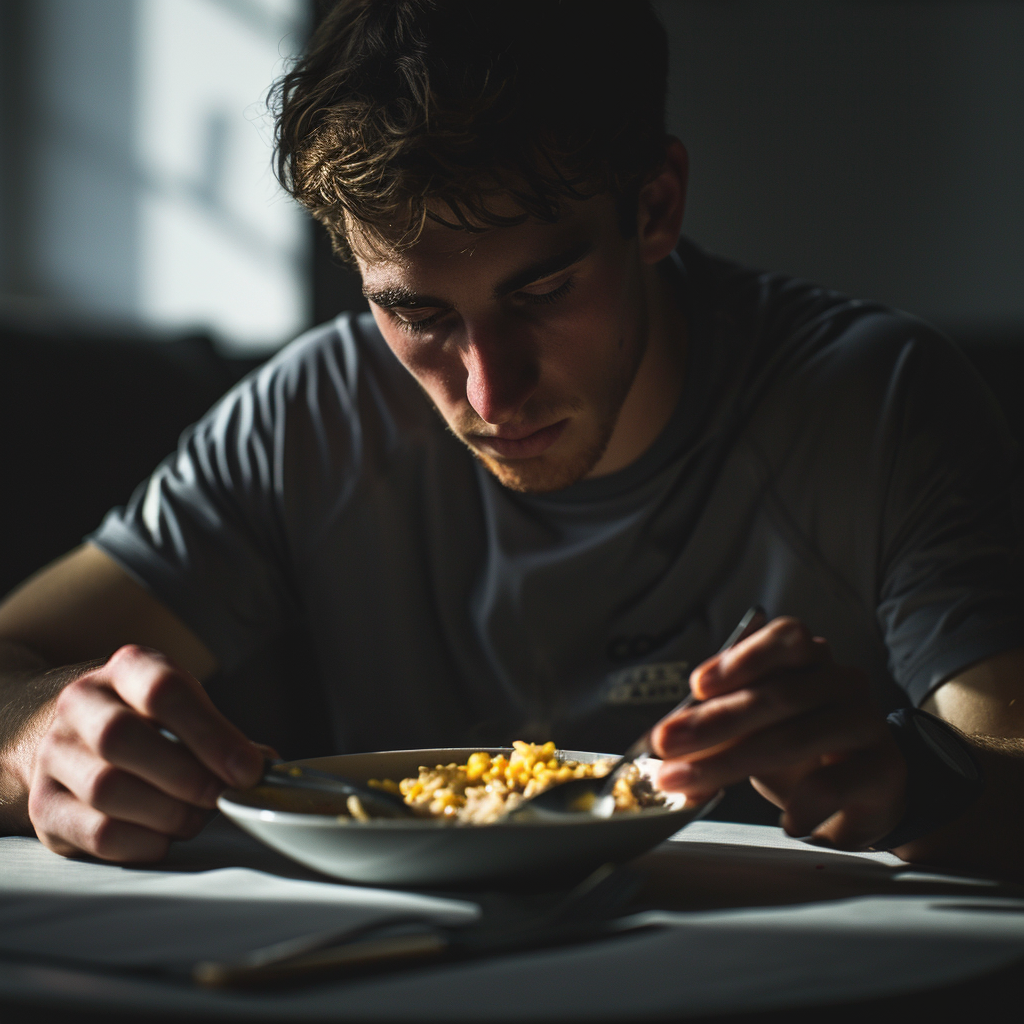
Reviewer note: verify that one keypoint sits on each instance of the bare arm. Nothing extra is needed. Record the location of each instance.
(91, 667)
(85, 606)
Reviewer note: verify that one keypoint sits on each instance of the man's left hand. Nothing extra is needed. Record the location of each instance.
(777, 709)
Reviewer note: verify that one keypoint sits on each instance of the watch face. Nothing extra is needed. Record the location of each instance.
(941, 739)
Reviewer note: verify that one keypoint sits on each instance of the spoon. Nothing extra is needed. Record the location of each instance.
(594, 795)
(376, 803)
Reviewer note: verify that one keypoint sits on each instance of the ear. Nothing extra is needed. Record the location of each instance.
(662, 201)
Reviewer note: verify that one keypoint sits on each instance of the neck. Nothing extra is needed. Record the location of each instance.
(655, 391)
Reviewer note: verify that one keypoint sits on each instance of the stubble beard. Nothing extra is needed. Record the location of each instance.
(549, 472)
(554, 472)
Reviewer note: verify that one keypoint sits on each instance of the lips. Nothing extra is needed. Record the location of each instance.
(528, 446)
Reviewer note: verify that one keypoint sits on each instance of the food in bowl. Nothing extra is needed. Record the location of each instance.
(488, 786)
(314, 829)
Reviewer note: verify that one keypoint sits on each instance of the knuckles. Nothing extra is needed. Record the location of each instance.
(791, 633)
(131, 654)
(790, 626)
(110, 839)
(771, 702)
(89, 717)
(76, 829)
(152, 683)
(100, 789)
(160, 693)
(101, 837)
(113, 733)
(74, 694)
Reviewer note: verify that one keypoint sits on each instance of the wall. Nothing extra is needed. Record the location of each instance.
(139, 185)
(875, 147)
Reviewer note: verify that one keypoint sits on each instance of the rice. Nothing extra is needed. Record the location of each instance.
(488, 786)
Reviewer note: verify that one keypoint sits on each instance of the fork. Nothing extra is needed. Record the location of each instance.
(594, 795)
(402, 940)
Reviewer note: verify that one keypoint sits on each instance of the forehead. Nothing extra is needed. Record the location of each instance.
(493, 251)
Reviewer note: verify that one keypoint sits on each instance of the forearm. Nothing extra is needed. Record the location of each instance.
(28, 687)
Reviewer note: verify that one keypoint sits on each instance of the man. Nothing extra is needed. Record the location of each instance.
(564, 456)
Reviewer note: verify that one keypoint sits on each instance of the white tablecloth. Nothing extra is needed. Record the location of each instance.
(756, 921)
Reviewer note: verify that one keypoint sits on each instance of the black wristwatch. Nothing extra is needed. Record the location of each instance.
(943, 777)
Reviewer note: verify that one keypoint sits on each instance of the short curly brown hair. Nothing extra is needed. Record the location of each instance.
(404, 111)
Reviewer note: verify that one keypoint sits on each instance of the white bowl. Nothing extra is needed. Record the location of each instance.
(418, 851)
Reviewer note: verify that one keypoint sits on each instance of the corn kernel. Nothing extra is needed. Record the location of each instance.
(488, 782)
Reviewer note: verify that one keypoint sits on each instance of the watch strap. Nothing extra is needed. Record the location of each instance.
(943, 776)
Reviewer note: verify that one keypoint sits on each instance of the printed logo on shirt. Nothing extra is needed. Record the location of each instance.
(650, 684)
(629, 648)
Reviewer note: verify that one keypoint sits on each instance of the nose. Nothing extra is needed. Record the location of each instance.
(501, 374)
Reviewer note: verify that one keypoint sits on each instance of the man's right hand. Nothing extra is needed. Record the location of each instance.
(103, 778)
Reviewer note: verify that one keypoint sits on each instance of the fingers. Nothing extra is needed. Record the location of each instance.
(153, 686)
(851, 803)
(117, 793)
(829, 730)
(785, 643)
(106, 781)
(68, 827)
(110, 732)
(776, 709)
(748, 710)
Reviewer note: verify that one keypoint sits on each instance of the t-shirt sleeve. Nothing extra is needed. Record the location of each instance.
(949, 575)
(220, 529)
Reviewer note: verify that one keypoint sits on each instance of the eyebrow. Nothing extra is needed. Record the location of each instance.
(543, 268)
(388, 298)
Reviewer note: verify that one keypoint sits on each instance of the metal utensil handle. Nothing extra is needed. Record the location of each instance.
(752, 621)
(292, 776)
(351, 956)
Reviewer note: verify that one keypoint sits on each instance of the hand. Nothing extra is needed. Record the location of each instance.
(106, 782)
(778, 710)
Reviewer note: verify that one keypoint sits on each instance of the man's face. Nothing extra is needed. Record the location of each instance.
(527, 339)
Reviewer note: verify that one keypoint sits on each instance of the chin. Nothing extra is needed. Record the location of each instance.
(545, 473)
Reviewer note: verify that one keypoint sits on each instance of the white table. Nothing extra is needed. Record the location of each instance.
(757, 922)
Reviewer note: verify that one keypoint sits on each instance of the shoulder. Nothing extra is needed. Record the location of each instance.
(346, 354)
(850, 410)
(810, 363)
(784, 326)
(338, 375)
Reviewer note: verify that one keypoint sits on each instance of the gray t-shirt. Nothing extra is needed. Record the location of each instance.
(829, 459)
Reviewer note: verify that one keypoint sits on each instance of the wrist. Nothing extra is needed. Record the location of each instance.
(944, 778)
(28, 700)
(17, 761)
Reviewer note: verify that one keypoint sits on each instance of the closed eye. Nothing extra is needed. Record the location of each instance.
(552, 295)
(415, 319)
